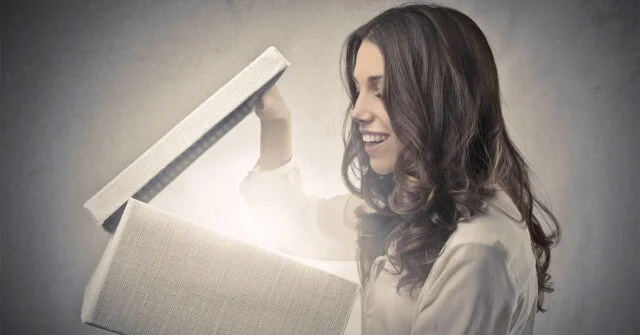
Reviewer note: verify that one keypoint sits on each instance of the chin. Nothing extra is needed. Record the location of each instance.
(381, 169)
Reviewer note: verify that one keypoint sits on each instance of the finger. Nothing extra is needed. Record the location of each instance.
(272, 91)
(259, 105)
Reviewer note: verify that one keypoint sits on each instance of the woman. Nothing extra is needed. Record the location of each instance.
(441, 217)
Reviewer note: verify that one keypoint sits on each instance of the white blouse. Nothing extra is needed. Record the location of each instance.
(484, 281)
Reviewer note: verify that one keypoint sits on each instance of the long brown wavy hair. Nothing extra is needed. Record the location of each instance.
(442, 95)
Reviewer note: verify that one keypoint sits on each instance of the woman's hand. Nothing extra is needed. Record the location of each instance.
(271, 107)
(275, 130)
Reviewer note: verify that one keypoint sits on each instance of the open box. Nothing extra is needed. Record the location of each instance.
(163, 274)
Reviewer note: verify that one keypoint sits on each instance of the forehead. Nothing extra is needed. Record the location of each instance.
(369, 61)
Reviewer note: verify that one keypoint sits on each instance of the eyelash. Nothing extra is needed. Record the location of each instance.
(377, 94)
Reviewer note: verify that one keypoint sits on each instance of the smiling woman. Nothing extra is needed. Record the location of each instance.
(380, 142)
(441, 213)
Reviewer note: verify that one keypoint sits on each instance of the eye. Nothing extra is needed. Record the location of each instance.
(378, 94)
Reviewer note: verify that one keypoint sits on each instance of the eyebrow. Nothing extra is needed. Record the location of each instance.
(371, 79)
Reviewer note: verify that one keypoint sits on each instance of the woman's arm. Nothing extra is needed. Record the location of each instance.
(306, 226)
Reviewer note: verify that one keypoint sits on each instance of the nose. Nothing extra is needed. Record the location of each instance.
(361, 111)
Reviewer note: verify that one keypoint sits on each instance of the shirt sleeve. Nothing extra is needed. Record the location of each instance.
(469, 291)
(307, 226)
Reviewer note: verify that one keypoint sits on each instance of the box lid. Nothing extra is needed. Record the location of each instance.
(186, 141)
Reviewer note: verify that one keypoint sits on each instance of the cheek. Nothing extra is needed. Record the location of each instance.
(396, 144)
(395, 148)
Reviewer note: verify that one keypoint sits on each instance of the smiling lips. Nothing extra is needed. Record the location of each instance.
(372, 140)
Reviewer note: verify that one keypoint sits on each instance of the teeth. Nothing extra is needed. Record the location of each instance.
(374, 138)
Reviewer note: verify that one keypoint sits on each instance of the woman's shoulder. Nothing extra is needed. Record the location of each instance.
(500, 228)
(500, 223)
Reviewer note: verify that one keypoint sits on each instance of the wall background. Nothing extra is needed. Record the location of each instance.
(87, 86)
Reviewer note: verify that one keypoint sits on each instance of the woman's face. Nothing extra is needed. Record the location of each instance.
(369, 111)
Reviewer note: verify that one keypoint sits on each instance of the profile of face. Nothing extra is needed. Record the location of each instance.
(369, 111)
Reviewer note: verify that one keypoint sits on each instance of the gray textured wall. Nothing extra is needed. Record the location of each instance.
(87, 86)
